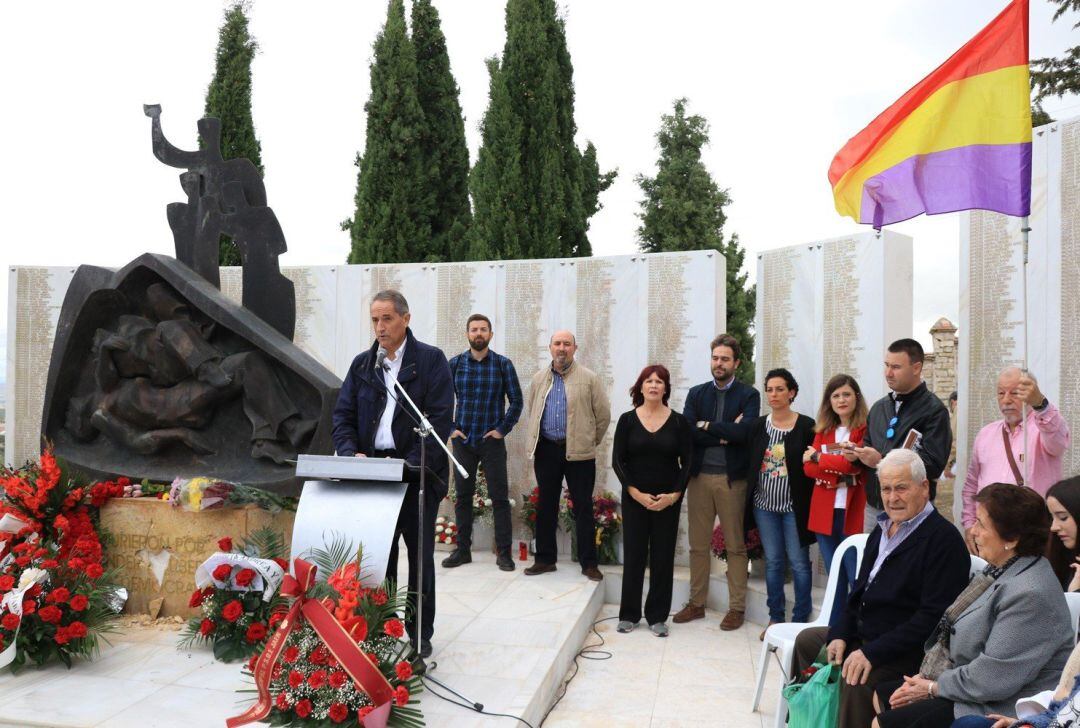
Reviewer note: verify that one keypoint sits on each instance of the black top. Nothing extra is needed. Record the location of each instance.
(740, 400)
(653, 462)
(893, 615)
(800, 485)
(920, 410)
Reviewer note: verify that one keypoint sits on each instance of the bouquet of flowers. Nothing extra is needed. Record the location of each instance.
(528, 510)
(238, 596)
(56, 599)
(445, 531)
(337, 657)
(608, 524)
(204, 494)
(754, 549)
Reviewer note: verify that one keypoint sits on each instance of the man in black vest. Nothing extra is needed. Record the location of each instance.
(722, 411)
(909, 406)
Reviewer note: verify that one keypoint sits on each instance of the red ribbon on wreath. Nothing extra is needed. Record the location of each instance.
(352, 659)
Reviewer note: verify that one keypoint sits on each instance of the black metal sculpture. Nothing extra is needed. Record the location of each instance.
(227, 197)
(156, 374)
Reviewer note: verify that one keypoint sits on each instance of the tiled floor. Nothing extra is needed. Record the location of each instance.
(501, 639)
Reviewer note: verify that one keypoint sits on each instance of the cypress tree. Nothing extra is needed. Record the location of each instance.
(446, 156)
(391, 222)
(229, 98)
(683, 209)
(528, 134)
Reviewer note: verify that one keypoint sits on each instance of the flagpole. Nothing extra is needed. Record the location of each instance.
(1025, 228)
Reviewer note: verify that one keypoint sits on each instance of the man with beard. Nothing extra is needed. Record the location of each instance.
(489, 402)
(722, 411)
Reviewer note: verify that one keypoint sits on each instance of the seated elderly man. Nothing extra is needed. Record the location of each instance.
(914, 566)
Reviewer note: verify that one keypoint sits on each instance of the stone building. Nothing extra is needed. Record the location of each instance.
(939, 369)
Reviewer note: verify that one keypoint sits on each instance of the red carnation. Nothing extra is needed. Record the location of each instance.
(337, 679)
(35, 590)
(379, 597)
(50, 614)
(303, 708)
(22, 561)
(232, 611)
(291, 653)
(251, 662)
(394, 628)
(221, 573)
(339, 712)
(10, 621)
(6, 583)
(196, 598)
(255, 632)
(61, 637)
(77, 630)
(224, 544)
(94, 571)
(283, 564)
(319, 655)
(282, 701)
(296, 679)
(206, 627)
(317, 679)
(60, 595)
(401, 695)
(275, 618)
(79, 602)
(29, 607)
(244, 577)
(404, 670)
(50, 564)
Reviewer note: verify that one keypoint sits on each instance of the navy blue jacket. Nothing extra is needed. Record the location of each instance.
(741, 399)
(891, 618)
(426, 377)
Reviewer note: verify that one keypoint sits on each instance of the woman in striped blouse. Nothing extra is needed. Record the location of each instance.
(780, 497)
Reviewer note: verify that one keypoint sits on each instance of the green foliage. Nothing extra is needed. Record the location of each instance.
(228, 98)
(1056, 76)
(533, 189)
(446, 156)
(1039, 116)
(683, 209)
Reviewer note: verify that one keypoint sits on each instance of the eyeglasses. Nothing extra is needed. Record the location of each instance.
(892, 423)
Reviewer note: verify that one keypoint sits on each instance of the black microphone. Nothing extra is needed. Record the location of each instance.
(380, 358)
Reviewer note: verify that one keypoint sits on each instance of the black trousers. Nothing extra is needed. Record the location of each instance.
(929, 713)
(491, 452)
(551, 467)
(407, 526)
(648, 537)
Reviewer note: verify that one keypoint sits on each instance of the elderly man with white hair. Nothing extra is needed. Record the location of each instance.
(1002, 447)
(914, 566)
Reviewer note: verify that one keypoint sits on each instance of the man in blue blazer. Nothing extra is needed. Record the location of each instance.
(721, 411)
(369, 423)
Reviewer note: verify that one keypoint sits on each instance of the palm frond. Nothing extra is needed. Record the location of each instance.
(265, 543)
(339, 551)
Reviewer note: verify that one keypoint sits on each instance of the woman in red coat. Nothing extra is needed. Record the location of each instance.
(839, 497)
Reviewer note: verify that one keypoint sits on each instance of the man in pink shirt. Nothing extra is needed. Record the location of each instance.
(1001, 447)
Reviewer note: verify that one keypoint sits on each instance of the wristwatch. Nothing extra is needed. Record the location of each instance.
(1044, 405)
(815, 456)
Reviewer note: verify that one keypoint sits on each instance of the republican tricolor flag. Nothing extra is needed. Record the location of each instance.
(959, 140)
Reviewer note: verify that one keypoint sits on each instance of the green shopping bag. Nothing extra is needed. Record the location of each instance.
(816, 702)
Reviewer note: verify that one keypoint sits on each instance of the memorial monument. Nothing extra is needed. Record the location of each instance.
(155, 373)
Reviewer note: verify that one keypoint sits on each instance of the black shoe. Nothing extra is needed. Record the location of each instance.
(536, 569)
(425, 649)
(504, 562)
(457, 558)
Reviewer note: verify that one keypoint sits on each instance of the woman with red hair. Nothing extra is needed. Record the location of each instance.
(651, 457)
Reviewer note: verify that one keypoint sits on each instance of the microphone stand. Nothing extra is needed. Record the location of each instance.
(424, 430)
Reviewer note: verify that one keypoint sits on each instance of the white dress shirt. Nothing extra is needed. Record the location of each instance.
(384, 436)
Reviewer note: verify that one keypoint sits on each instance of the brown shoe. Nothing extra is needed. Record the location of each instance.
(732, 620)
(761, 637)
(536, 569)
(592, 573)
(688, 614)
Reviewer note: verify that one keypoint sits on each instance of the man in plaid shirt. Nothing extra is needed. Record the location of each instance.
(489, 402)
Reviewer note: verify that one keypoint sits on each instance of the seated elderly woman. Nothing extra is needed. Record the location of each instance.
(1005, 637)
(914, 566)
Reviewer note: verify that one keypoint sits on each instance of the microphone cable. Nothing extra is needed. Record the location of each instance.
(587, 652)
(464, 702)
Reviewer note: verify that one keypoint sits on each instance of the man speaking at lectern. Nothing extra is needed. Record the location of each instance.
(369, 421)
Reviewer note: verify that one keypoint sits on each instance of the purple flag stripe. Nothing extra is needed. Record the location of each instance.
(993, 177)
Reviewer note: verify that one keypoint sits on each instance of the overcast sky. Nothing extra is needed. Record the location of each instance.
(783, 84)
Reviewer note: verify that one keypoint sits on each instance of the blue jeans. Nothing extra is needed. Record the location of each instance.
(972, 721)
(828, 546)
(780, 539)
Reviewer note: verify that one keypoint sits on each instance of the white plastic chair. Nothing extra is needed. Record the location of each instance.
(1073, 600)
(780, 638)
